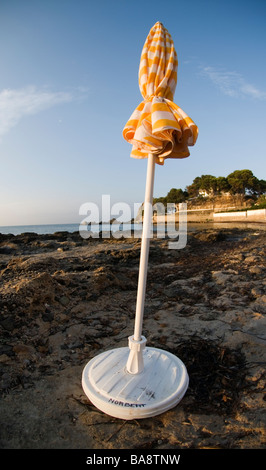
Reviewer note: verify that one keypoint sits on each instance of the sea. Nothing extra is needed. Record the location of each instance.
(125, 227)
(53, 228)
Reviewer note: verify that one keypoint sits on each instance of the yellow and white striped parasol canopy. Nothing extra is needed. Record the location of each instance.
(158, 126)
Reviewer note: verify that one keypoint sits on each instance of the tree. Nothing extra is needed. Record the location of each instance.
(175, 196)
(162, 200)
(222, 184)
(204, 182)
(238, 182)
(242, 182)
(193, 189)
(260, 187)
(208, 182)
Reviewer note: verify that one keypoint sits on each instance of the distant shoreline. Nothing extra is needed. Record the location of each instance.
(192, 225)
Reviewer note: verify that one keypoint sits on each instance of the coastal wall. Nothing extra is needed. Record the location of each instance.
(213, 209)
(197, 215)
(257, 215)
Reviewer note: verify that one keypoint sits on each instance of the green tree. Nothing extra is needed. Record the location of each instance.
(205, 182)
(239, 182)
(208, 182)
(222, 184)
(193, 189)
(242, 182)
(175, 196)
(159, 199)
(260, 187)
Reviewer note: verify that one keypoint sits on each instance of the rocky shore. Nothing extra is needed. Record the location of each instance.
(64, 299)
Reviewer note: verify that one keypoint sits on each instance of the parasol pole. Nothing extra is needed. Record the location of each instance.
(138, 381)
(145, 245)
(137, 342)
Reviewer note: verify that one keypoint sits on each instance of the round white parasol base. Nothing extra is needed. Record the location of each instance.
(112, 389)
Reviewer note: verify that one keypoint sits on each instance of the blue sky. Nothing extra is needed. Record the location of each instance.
(69, 83)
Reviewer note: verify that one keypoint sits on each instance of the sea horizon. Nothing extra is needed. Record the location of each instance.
(38, 228)
(46, 229)
(43, 229)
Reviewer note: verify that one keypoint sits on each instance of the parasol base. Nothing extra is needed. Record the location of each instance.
(112, 389)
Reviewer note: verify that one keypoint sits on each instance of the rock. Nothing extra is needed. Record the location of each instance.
(4, 358)
(221, 277)
(8, 323)
(47, 316)
(24, 351)
(251, 259)
(63, 300)
(7, 250)
(203, 304)
(255, 270)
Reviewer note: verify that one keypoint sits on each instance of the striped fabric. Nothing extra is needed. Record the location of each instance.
(157, 125)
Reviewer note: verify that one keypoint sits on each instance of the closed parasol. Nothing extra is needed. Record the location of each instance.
(138, 381)
(158, 126)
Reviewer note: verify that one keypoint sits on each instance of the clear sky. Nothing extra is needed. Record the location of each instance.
(69, 83)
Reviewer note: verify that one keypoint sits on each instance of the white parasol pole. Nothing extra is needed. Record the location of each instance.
(133, 382)
(137, 342)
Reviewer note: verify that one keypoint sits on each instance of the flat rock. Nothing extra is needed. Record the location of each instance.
(60, 308)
